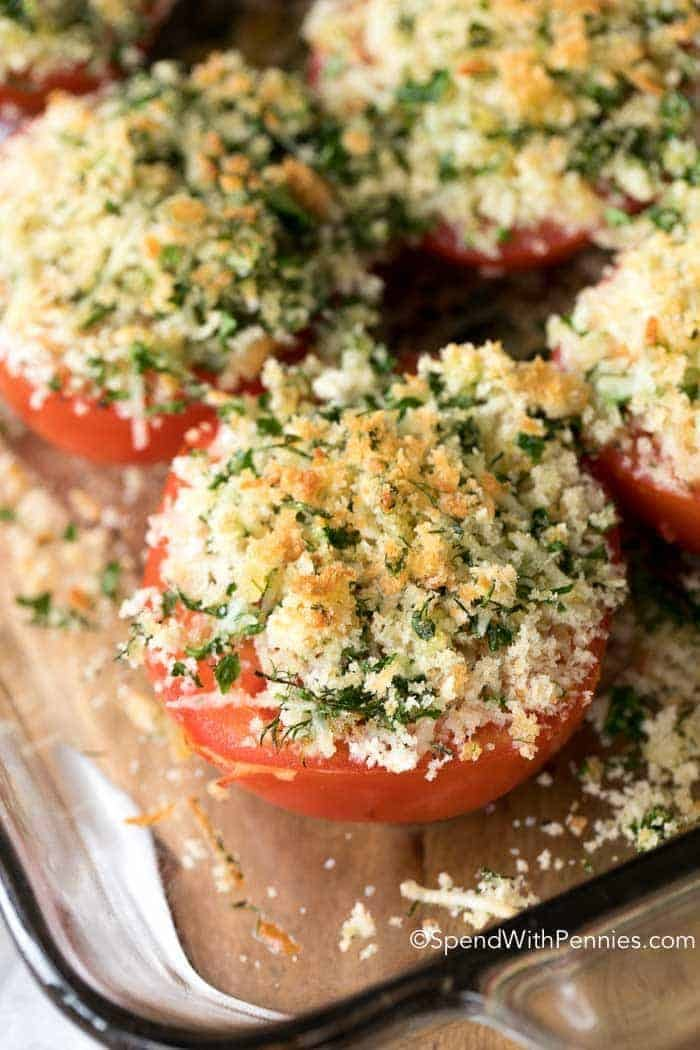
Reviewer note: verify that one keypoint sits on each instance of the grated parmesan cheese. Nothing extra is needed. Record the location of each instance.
(495, 897)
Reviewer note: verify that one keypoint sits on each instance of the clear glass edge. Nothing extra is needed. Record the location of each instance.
(462, 985)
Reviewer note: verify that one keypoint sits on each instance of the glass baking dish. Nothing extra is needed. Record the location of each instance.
(114, 920)
(85, 905)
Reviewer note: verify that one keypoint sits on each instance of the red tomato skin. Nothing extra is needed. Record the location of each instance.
(98, 434)
(339, 788)
(27, 97)
(675, 515)
(526, 249)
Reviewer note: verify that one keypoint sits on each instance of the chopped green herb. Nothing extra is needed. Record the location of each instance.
(422, 624)
(414, 93)
(269, 425)
(533, 445)
(110, 578)
(227, 671)
(626, 714)
(341, 537)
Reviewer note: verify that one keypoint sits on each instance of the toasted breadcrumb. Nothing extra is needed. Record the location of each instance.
(393, 566)
(358, 926)
(159, 238)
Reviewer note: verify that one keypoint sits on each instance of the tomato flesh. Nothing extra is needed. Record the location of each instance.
(85, 427)
(29, 98)
(525, 249)
(675, 515)
(339, 788)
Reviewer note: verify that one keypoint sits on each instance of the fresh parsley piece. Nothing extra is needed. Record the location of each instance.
(539, 521)
(288, 210)
(97, 313)
(269, 425)
(626, 714)
(479, 35)
(240, 461)
(41, 607)
(414, 92)
(110, 578)
(498, 635)
(170, 257)
(341, 537)
(664, 218)
(532, 445)
(227, 671)
(422, 624)
(403, 404)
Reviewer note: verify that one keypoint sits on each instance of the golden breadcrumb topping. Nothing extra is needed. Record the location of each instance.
(498, 115)
(42, 38)
(636, 339)
(409, 568)
(169, 228)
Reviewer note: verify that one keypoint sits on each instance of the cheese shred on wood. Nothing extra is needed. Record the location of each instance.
(170, 228)
(42, 38)
(636, 337)
(498, 115)
(408, 568)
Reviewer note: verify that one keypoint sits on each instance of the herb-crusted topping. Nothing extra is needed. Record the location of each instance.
(505, 114)
(408, 568)
(40, 38)
(169, 227)
(636, 337)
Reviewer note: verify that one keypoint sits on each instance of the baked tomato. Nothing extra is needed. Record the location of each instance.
(524, 249)
(673, 513)
(95, 431)
(338, 788)
(25, 95)
(545, 244)
(86, 427)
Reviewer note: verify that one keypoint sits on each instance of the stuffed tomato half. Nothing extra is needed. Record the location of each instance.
(157, 245)
(512, 134)
(634, 337)
(392, 610)
(74, 48)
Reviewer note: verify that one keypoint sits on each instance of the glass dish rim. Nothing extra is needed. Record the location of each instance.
(448, 984)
